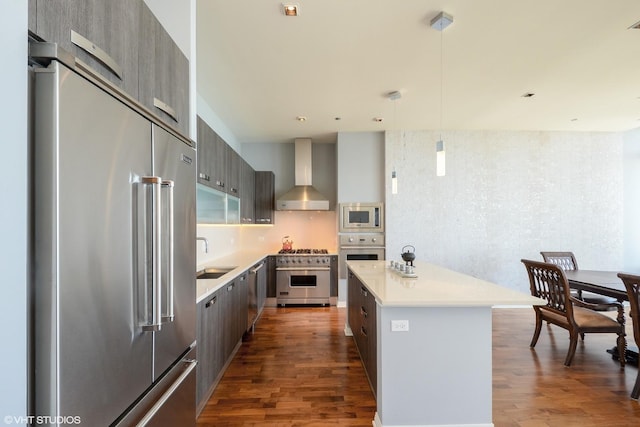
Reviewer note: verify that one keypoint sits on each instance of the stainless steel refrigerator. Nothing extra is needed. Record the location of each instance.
(114, 258)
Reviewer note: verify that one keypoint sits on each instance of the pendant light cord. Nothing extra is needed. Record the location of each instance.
(441, 81)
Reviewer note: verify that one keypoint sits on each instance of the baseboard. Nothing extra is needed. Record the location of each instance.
(377, 423)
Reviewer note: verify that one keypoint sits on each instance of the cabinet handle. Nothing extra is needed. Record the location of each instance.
(363, 331)
(363, 312)
(99, 54)
(234, 190)
(364, 292)
(255, 270)
(204, 176)
(220, 184)
(230, 287)
(163, 106)
(211, 302)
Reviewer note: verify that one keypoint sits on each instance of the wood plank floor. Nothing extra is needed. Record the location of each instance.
(299, 369)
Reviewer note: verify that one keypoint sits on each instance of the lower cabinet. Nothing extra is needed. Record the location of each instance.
(361, 306)
(209, 348)
(222, 320)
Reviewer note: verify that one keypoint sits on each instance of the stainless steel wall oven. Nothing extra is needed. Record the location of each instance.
(360, 247)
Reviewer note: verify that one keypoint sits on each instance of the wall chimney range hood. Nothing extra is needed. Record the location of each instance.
(303, 196)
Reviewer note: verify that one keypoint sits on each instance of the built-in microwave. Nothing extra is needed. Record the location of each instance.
(361, 217)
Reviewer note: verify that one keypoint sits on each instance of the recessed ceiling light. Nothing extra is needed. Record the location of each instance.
(528, 95)
(574, 120)
(337, 118)
(378, 119)
(290, 9)
(301, 118)
(635, 26)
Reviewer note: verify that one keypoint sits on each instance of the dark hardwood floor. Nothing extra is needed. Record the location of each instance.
(298, 369)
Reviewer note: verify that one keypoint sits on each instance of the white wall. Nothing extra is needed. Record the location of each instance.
(632, 201)
(507, 196)
(360, 158)
(14, 215)
(213, 120)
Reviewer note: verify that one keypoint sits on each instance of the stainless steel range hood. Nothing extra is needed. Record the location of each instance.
(303, 196)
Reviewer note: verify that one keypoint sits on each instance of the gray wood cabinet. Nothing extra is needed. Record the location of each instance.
(333, 277)
(103, 34)
(219, 166)
(265, 197)
(271, 276)
(234, 314)
(233, 172)
(361, 308)
(209, 348)
(123, 42)
(219, 159)
(221, 323)
(33, 21)
(206, 142)
(247, 193)
(164, 73)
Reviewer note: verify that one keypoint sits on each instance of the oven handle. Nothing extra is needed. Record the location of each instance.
(361, 247)
(303, 268)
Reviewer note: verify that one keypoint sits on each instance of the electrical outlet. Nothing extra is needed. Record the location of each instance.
(399, 326)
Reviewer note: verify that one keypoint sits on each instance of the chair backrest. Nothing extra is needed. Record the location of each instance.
(547, 281)
(564, 260)
(632, 283)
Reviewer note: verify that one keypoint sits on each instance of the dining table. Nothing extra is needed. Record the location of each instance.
(605, 283)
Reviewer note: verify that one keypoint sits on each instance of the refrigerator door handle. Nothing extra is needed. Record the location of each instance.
(167, 200)
(152, 242)
(189, 365)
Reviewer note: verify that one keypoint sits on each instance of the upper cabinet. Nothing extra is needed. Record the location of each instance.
(103, 34)
(219, 158)
(206, 142)
(33, 19)
(233, 172)
(164, 73)
(123, 42)
(265, 197)
(247, 191)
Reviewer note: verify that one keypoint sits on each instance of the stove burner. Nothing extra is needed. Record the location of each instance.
(304, 251)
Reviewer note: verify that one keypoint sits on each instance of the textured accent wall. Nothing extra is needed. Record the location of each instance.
(506, 196)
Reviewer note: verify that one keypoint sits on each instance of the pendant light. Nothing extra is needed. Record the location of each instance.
(394, 96)
(440, 22)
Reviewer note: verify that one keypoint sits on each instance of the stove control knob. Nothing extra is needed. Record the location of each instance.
(350, 239)
(374, 240)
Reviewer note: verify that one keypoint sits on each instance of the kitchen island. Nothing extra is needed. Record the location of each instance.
(426, 342)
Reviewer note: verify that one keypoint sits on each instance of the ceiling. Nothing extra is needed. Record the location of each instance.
(259, 70)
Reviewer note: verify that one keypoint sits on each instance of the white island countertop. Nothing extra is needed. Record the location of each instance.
(435, 286)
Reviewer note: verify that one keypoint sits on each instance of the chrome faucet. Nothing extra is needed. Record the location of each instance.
(206, 243)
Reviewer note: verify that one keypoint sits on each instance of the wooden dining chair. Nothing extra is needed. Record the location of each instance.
(547, 281)
(632, 283)
(567, 261)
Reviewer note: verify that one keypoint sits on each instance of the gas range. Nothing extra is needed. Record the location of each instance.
(303, 276)
(302, 257)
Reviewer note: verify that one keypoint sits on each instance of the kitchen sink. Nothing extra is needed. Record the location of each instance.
(213, 272)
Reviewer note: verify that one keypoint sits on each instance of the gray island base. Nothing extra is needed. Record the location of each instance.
(425, 342)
